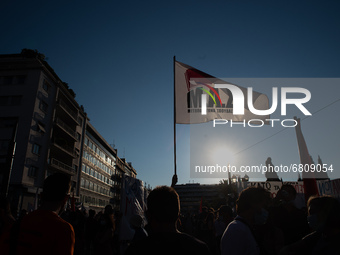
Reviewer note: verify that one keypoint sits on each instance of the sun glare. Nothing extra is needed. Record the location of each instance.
(222, 155)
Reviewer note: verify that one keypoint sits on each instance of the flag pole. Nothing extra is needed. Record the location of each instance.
(175, 160)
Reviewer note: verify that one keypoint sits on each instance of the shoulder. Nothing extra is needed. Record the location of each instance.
(237, 230)
(169, 243)
(49, 220)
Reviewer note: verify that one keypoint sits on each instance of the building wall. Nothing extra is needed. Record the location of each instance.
(52, 134)
(98, 166)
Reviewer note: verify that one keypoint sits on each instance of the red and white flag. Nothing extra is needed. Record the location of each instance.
(216, 103)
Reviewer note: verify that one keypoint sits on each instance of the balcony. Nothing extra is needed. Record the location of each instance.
(66, 128)
(61, 166)
(64, 148)
(68, 110)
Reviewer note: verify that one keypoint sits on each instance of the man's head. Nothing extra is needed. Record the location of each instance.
(251, 203)
(56, 189)
(287, 193)
(225, 212)
(163, 205)
(323, 213)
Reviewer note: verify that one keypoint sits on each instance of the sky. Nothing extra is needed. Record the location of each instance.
(118, 58)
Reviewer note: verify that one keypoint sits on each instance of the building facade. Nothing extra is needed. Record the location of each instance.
(98, 168)
(44, 130)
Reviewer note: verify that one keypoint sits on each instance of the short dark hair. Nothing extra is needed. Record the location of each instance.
(250, 197)
(163, 204)
(328, 208)
(289, 188)
(56, 187)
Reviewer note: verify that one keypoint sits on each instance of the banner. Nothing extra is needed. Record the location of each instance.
(200, 97)
(331, 188)
(132, 203)
(273, 187)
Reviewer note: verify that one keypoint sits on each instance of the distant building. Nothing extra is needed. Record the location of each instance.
(98, 168)
(40, 118)
(43, 130)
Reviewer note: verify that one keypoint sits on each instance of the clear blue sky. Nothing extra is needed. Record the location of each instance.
(117, 57)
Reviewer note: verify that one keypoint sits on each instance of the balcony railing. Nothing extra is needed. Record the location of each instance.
(61, 166)
(67, 128)
(68, 109)
(65, 148)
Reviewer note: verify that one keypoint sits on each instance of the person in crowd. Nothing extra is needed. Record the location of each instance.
(287, 217)
(202, 226)
(91, 228)
(77, 220)
(239, 237)
(162, 214)
(270, 237)
(324, 221)
(225, 216)
(106, 229)
(43, 231)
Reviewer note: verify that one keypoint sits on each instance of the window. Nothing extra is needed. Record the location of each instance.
(82, 183)
(4, 145)
(36, 149)
(32, 171)
(83, 167)
(16, 100)
(8, 80)
(4, 100)
(46, 86)
(10, 100)
(21, 79)
(86, 141)
(41, 128)
(43, 106)
(80, 121)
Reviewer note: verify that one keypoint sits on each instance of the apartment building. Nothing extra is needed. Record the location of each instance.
(98, 169)
(40, 127)
(44, 130)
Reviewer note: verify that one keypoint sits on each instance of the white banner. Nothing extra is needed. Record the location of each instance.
(132, 203)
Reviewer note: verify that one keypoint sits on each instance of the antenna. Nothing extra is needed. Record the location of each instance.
(113, 145)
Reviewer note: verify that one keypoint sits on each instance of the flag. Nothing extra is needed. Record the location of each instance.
(308, 178)
(218, 103)
(132, 203)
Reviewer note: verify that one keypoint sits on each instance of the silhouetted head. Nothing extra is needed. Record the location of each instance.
(225, 211)
(56, 188)
(251, 204)
(108, 210)
(287, 193)
(163, 205)
(323, 213)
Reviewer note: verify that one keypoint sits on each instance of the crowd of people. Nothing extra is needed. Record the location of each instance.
(259, 224)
